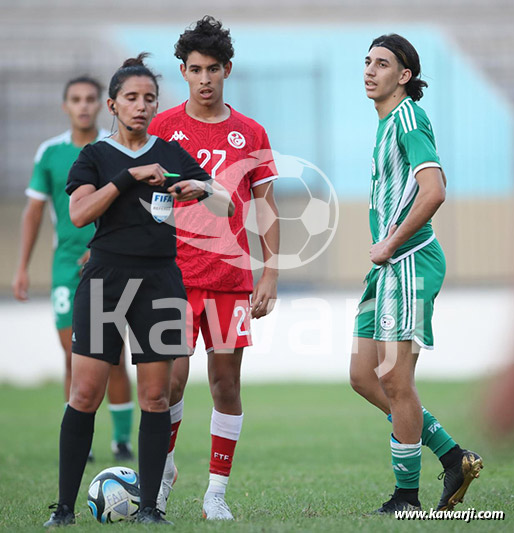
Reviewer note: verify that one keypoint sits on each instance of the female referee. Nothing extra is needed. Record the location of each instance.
(120, 183)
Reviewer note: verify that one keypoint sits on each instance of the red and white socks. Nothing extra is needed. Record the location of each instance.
(176, 413)
(169, 475)
(225, 431)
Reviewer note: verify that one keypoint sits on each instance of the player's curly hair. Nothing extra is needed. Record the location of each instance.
(408, 57)
(207, 37)
(134, 66)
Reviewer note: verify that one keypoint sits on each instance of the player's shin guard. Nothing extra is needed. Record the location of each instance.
(225, 431)
(75, 442)
(154, 436)
(406, 463)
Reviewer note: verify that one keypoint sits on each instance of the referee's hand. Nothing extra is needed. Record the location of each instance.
(151, 174)
(186, 190)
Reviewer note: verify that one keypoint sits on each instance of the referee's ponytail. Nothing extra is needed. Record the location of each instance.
(134, 66)
(407, 57)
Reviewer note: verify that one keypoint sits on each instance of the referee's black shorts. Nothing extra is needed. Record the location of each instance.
(155, 334)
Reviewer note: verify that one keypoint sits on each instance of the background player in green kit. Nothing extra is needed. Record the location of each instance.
(395, 313)
(82, 103)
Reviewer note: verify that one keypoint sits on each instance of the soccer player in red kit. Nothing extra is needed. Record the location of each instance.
(213, 255)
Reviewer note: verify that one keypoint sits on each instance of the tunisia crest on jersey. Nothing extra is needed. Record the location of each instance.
(236, 139)
(162, 204)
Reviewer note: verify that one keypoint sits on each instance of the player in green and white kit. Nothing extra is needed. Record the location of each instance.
(82, 103)
(394, 318)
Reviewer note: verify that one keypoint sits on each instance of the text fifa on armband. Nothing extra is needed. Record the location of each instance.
(99, 318)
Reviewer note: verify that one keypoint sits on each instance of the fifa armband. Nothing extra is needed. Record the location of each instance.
(209, 191)
(123, 181)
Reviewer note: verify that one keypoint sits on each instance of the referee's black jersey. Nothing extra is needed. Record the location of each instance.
(130, 225)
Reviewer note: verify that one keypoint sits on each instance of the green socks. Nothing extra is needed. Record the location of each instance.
(407, 457)
(406, 463)
(433, 435)
(121, 414)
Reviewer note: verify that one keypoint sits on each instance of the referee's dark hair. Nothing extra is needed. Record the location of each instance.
(407, 57)
(209, 38)
(83, 79)
(134, 66)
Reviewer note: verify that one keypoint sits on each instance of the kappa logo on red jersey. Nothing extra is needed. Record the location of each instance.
(236, 139)
(179, 136)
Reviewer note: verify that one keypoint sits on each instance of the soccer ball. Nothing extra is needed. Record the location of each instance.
(113, 495)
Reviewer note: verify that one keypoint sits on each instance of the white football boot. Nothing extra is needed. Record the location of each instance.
(215, 507)
(168, 480)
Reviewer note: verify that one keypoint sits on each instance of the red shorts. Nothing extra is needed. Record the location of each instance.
(223, 318)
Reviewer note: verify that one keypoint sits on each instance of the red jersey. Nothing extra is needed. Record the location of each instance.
(213, 252)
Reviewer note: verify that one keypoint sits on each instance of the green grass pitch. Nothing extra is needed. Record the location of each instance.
(312, 458)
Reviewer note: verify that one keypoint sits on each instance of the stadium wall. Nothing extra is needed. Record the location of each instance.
(478, 249)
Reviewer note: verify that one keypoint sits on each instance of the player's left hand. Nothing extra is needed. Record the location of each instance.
(264, 296)
(189, 190)
(380, 252)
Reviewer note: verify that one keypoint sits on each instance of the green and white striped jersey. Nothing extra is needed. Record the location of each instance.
(405, 145)
(52, 163)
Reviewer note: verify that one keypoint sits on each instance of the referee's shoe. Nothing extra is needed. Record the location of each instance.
(151, 515)
(62, 516)
(457, 478)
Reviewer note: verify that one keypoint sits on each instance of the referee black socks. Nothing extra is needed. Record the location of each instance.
(75, 441)
(154, 439)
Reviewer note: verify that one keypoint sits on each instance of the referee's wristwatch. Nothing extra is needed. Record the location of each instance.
(208, 191)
